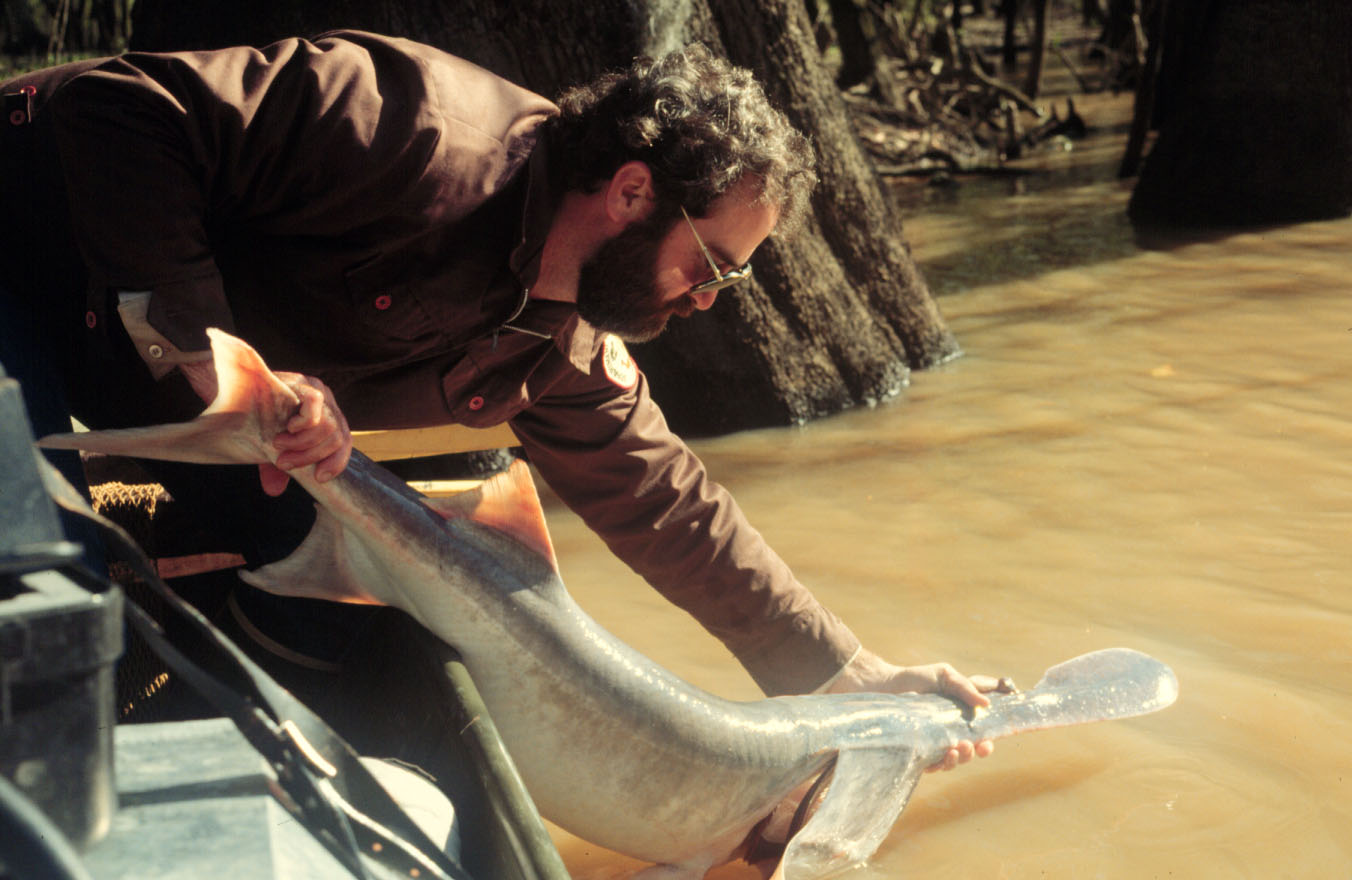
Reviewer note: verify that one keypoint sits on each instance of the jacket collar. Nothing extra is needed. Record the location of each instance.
(576, 339)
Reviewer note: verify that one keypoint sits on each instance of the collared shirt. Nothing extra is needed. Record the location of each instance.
(371, 211)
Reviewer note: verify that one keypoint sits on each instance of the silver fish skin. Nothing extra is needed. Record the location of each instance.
(612, 747)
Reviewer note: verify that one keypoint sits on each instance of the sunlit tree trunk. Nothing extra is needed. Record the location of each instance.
(837, 316)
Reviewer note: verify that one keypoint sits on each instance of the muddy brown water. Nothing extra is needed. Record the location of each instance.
(1139, 448)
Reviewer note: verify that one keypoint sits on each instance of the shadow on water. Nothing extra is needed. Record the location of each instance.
(1068, 210)
(1017, 228)
(1171, 238)
(964, 799)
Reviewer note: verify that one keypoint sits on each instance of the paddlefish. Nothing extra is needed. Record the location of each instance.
(611, 746)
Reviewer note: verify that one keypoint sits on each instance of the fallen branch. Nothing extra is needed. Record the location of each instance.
(1084, 86)
(947, 163)
(932, 170)
(1013, 94)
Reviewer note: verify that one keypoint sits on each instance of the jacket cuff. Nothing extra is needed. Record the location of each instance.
(159, 354)
(183, 310)
(809, 656)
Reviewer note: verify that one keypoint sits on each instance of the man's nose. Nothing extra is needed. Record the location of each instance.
(704, 299)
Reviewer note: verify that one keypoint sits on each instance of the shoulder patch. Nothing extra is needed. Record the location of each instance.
(619, 366)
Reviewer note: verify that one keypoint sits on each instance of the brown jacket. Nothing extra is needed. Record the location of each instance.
(371, 211)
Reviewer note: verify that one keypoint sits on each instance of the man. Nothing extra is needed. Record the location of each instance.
(421, 242)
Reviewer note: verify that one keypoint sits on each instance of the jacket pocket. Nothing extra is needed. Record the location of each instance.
(389, 308)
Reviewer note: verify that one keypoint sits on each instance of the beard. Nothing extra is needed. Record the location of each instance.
(615, 290)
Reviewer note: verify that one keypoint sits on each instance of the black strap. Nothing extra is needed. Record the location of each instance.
(323, 782)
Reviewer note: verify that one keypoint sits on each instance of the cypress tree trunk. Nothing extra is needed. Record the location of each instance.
(1037, 49)
(856, 56)
(835, 318)
(1254, 110)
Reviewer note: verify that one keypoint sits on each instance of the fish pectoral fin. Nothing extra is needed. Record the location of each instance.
(320, 568)
(867, 790)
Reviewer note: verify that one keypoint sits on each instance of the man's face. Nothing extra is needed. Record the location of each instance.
(639, 279)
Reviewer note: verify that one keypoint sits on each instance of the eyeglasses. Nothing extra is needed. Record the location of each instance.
(721, 279)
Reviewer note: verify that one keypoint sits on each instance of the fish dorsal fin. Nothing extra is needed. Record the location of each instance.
(507, 502)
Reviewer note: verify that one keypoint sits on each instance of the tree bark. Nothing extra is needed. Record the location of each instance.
(1009, 50)
(834, 318)
(1143, 107)
(1037, 49)
(1118, 31)
(856, 57)
(1254, 109)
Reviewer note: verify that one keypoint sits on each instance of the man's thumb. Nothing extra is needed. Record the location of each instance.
(273, 478)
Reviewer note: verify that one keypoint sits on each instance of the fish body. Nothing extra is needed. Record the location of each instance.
(612, 747)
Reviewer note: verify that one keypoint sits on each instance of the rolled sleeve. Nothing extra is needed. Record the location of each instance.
(610, 456)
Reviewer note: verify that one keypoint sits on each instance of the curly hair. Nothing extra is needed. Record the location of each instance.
(701, 125)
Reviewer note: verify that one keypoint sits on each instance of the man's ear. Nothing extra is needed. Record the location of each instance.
(629, 195)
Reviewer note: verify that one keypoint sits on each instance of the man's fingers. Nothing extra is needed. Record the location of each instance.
(317, 434)
(311, 412)
(952, 758)
(954, 684)
(329, 452)
(990, 684)
(961, 754)
(316, 403)
(318, 449)
(333, 465)
(312, 436)
(948, 763)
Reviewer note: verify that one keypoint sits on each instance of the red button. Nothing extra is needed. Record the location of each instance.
(91, 319)
(17, 117)
(383, 301)
(476, 402)
(29, 90)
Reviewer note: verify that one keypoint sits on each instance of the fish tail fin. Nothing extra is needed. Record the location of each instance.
(1100, 686)
(507, 502)
(870, 786)
(251, 407)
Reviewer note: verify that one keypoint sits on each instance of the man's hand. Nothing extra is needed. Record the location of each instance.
(317, 434)
(868, 672)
